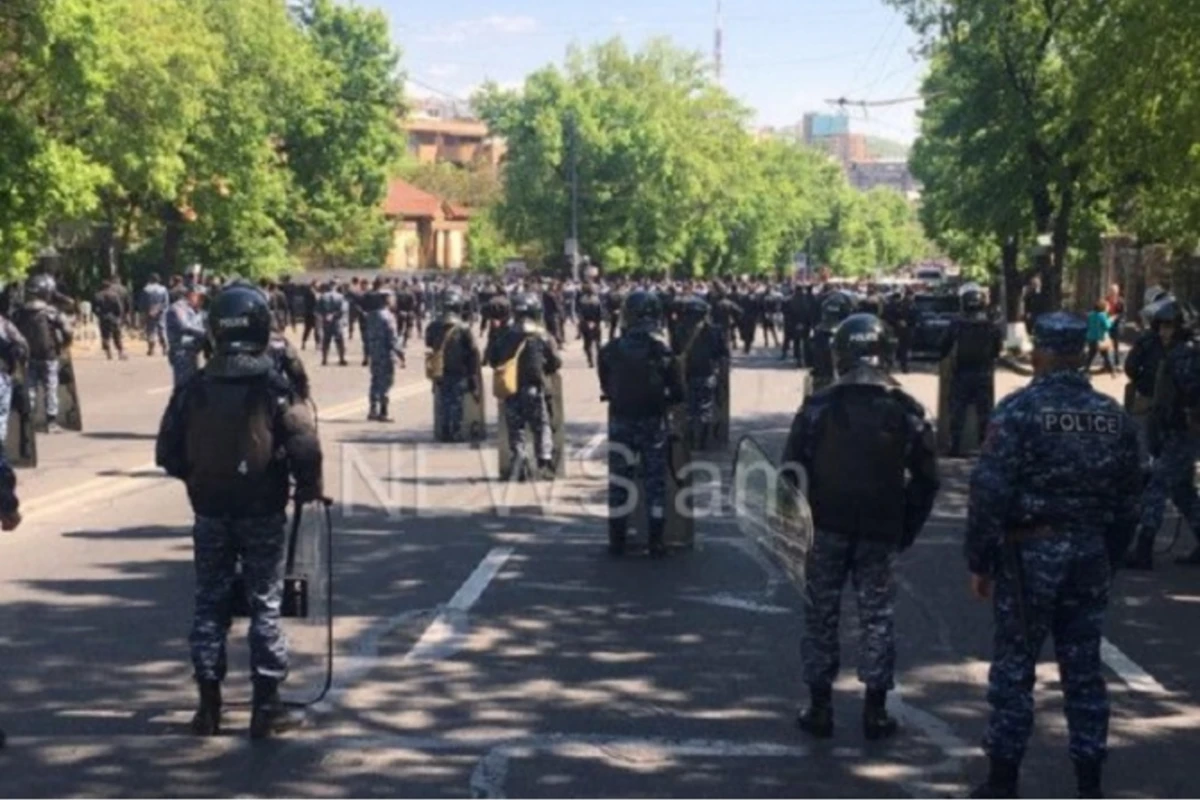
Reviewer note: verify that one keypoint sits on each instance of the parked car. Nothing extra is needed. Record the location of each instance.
(934, 313)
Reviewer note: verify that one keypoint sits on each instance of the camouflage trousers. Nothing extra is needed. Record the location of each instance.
(335, 333)
(527, 408)
(969, 389)
(155, 328)
(1173, 478)
(43, 373)
(219, 544)
(448, 394)
(383, 376)
(183, 366)
(701, 403)
(1066, 583)
(6, 391)
(872, 567)
(632, 440)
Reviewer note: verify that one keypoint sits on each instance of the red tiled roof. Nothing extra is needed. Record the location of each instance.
(406, 200)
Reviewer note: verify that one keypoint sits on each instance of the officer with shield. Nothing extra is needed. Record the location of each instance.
(640, 380)
(701, 349)
(47, 334)
(235, 433)
(868, 452)
(523, 357)
(972, 344)
(14, 356)
(452, 364)
(1053, 500)
(835, 307)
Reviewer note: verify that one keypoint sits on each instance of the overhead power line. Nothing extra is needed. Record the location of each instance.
(843, 102)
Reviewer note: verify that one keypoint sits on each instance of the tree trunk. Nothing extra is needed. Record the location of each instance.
(1014, 286)
(172, 239)
(1059, 243)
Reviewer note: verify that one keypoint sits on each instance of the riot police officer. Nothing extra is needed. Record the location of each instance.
(454, 354)
(526, 341)
(14, 355)
(10, 514)
(384, 348)
(1142, 362)
(235, 433)
(835, 308)
(975, 343)
(185, 335)
(47, 334)
(1172, 430)
(155, 301)
(640, 381)
(701, 348)
(1052, 501)
(109, 307)
(868, 454)
(591, 314)
(335, 312)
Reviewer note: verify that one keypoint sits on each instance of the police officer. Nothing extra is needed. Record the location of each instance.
(1173, 430)
(835, 308)
(898, 312)
(308, 309)
(869, 456)
(334, 312)
(528, 406)
(591, 316)
(496, 313)
(640, 380)
(383, 349)
(614, 301)
(1166, 329)
(458, 354)
(109, 307)
(701, 349)
(235, 433)
(976, 344)
(1052, 500)
(46, 332)
(185, 335)
(14, 354)
(772, 316)
(155, 301)
(405, 305)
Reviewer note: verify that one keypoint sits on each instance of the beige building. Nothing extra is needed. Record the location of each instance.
(428, 233)
(457, 141)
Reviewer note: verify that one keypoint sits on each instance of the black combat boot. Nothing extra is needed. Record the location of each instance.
(817, 719)
(656, 543)
(877, 723)
(268, 715)
(207, 719)
(1087, 779)
(618, 529)
(545, 470)
(383, 410)
(1142, 555)
(1001, 781)
(373, 413)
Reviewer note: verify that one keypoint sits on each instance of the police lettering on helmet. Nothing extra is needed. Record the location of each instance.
(862, 339)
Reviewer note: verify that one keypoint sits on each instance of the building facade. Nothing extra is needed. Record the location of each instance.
(427, 232)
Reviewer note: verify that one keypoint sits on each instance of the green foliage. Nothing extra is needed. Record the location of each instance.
(487, 249)
(475, 186)
(232, 132)
(668, 175)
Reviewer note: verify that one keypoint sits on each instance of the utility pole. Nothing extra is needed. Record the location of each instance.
(718, 44)
(573, 242)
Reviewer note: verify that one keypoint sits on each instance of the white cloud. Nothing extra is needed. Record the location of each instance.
(462, 30)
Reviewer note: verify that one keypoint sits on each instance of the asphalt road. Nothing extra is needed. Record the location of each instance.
(487, 645)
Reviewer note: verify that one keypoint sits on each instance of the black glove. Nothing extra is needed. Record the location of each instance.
(307, 494)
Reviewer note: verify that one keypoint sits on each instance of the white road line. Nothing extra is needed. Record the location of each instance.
(446, 634)
(1134, 676)
(588, 451)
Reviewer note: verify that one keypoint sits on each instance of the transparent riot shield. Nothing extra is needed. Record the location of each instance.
(722, 418)
(679, 528)
(69, 415)
(20, 445)
(973, 427)
(771, 510)
(308, 603)
(473, 425)
(554, 405)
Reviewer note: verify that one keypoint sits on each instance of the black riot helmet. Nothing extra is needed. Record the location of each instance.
(452, 301)
(642, 309)
(695, 309)
(40, 286)
(239, 320)
(836, 307)
(862, 339)
(527, 305)
(971, 298)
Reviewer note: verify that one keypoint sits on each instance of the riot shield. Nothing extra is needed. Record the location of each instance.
(771, 511)
(308, 603)
(473, 424)
(69, 416)
(679, 530)
(20, 445)
(554, 405)
(973, 427)
(720, 431)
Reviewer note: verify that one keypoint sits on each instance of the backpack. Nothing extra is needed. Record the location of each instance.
(230, 435)
(638, 384)
(506, 377)
(435, 360)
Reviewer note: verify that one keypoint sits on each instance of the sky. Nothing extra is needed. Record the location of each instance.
(781, 57)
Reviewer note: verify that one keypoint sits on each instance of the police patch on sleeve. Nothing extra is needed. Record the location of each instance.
(1096, 423)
